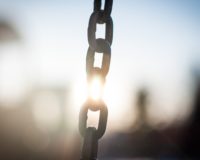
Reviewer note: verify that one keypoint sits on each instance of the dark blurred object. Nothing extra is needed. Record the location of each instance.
(191, 142)
(142, 98)
(141, 140)
(8, 32)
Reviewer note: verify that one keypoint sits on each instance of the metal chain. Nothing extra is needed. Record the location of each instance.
(91, 135)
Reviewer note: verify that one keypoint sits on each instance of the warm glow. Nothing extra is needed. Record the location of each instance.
(112, 94)
(95, 88)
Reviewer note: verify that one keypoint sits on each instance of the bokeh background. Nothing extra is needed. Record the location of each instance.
(152, 89)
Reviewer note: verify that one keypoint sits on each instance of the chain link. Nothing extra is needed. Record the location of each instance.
(93, 106)
(90, 145)
(94, 18)
(107, 8)
(103, 46)
(100, 45)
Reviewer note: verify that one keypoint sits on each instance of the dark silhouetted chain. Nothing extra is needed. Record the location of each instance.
(96, 45)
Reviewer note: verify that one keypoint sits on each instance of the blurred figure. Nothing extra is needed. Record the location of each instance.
(142, 98)
(7, 32)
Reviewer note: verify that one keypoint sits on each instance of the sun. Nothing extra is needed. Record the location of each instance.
(111, 93)
(83, 90)
(95, 89)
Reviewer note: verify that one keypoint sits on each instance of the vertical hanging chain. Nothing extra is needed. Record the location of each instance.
(91, 135)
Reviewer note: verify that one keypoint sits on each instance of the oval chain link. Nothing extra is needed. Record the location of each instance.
(93, 106)
(92, 29)
(103, 47)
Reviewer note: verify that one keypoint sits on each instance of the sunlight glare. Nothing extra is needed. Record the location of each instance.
(95, 88)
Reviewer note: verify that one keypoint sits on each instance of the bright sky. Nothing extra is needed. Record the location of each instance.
(155, 44)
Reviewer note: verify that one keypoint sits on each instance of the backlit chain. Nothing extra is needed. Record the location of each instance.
(91, 135)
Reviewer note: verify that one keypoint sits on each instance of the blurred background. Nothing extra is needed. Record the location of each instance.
(152, 89)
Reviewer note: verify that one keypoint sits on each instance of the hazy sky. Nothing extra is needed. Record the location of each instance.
(156, 42)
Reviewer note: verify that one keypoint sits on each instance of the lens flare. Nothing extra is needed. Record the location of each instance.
(95, 88)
